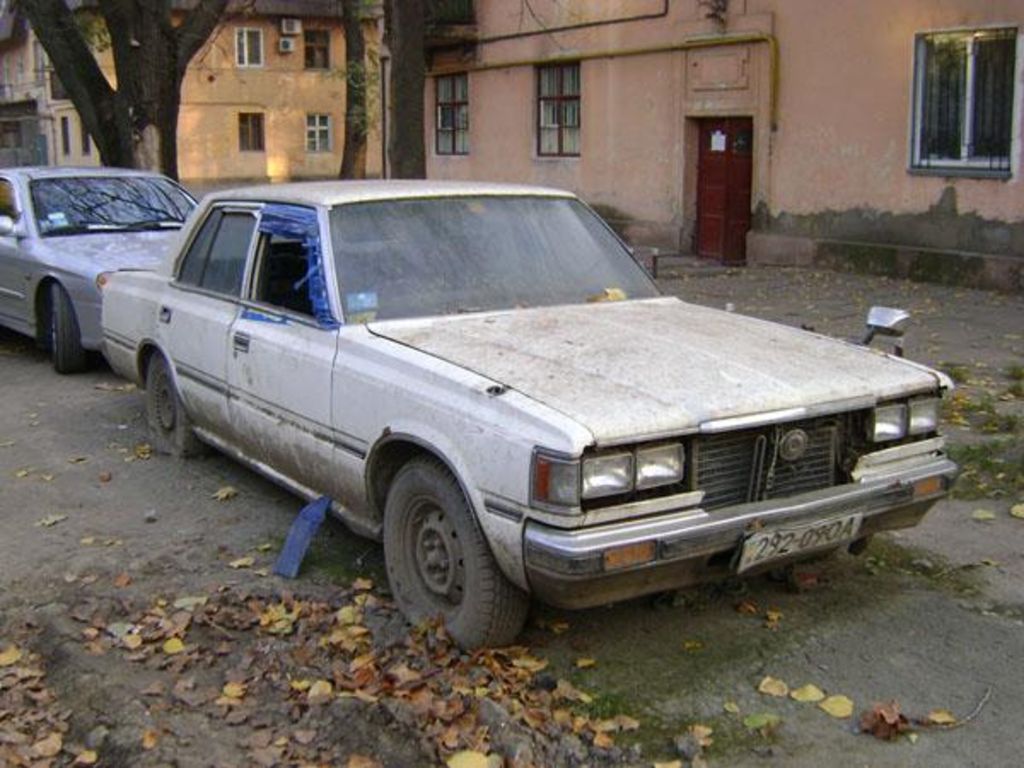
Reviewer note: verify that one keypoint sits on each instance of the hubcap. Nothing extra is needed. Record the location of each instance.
(437, 553)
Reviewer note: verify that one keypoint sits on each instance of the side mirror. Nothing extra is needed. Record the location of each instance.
(887, 321)
(7, 226)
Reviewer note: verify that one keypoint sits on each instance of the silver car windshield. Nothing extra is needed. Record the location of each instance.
(443, 256)
(74, 205)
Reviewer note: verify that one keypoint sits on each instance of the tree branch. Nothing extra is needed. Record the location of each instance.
(196, 29)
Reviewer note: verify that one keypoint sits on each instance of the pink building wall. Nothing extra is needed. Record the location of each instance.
(830, 170)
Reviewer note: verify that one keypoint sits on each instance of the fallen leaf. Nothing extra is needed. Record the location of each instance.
(761, 721)
(22, 473)
(692, 646)
(702, 734)
(233, 690)
(49, 747)
(941, 717)
(627, 723)
(150, 738)
(807, 693)
(585, 663)
(300, 685)
(983, 515)
(173, 646)
(362, 585)
(603, 741)
(87, 541)
(242, 562)
(361, 761)
(884, 721)
(1017, 510)
(143, 451)
(773, 687)
(78, 460)
(530, 664)
(669, 764)
(731, 707)
(912, 737)
(10, 656)
(467, 759)
(225, 493)
(265, 547)
(132, 642)
(51, 520)
(188, 603)
(122, 580)
(320, 692)
(837, 706)
(748, 607)
(86, 757)
(105, 477)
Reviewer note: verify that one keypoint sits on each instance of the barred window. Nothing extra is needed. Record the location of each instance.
(558, 110)
(963, 101)
(452, 130)
(318, 133)
(317, 44)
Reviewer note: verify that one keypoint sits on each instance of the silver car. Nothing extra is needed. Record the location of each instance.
(62, 231)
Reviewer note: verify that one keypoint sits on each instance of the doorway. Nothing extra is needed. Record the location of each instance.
(724, 165)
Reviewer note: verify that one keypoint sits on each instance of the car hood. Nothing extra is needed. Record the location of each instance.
(106, 252)
(639, 369)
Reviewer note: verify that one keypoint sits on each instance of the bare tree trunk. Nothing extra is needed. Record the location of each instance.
(135, 125)
(353, 159)
(405, 30)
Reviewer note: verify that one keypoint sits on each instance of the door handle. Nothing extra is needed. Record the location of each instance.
(240, 341)
(165, 314)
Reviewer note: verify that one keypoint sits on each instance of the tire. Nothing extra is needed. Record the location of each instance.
(439, 563)
(66, 349)
(170, 428)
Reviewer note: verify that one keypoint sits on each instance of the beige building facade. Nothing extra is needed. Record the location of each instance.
(263, 100)
(871, 136)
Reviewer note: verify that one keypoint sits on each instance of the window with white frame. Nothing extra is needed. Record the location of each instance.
(249, 47)
(963, 101)
(318, 133)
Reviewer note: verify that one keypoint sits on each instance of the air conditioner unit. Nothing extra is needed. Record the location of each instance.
(291, 27)
(286, 45)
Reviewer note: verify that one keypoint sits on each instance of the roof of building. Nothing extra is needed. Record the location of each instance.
(340, 192)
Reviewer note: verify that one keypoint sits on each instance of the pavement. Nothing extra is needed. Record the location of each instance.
(98, 531)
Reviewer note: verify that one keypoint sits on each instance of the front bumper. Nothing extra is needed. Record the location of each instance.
(593, 566)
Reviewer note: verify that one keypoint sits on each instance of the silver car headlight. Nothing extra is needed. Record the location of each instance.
(888, 422)
(607, 475)
(924, 415)
(555, 480)
(661, 465)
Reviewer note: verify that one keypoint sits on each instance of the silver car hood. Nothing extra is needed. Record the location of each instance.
(639, 369)
(96, 252)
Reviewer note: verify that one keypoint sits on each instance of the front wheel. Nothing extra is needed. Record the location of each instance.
(66, 349)
(170, 428)
(438, 561)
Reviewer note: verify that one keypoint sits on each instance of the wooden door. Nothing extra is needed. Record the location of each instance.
(723, 188)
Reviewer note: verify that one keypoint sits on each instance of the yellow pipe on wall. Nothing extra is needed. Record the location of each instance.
(701, 42)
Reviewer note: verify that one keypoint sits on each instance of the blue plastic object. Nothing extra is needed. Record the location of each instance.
(306, 524)
(300, 222)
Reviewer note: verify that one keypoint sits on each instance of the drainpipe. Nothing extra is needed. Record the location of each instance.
(700, 42)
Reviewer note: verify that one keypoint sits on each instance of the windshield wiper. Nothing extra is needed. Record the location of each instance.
(140, 226)
(78, 229)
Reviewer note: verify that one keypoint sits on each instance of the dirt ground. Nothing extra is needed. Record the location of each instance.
(112, 557)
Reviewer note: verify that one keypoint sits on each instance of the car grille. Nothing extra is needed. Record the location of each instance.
(748, 465)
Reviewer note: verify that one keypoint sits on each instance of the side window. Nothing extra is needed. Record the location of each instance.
(226, 265)
(282, 279)
(8, 207)
(191, 270)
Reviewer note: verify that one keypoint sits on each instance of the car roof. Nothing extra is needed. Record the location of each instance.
(340, 192)
(70, 171)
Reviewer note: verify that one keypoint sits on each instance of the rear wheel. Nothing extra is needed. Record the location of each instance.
(439, 563)
(170, 428)
(66, 349)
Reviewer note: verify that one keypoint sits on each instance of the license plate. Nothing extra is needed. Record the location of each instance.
(785, 541)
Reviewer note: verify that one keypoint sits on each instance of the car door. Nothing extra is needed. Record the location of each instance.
(13, 302)
(280, 364)
(199, 309)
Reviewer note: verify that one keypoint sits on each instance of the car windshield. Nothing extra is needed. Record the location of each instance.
(75, 205)
(443, 256)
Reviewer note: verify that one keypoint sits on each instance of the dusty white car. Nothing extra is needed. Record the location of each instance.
(482, 377)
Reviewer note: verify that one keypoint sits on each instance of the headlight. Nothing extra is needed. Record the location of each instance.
(556, 480)
(658, 466)
(607, 475)
(924, 416)
(888, 422)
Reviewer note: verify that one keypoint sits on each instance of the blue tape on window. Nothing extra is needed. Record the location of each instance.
(301, 223)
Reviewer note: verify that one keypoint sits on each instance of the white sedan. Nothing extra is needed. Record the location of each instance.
(483, 377)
